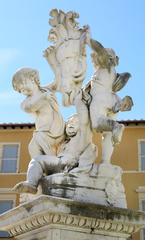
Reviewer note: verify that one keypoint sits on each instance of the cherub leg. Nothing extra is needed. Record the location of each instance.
(102, 124)
(107, 147)
(35, 171)
(34, 148)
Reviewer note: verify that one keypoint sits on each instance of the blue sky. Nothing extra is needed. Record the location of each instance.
(117, 24)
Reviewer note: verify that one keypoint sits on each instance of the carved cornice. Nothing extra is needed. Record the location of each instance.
(66, 221)
(71, 215)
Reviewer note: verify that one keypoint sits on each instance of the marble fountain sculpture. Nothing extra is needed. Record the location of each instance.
(77, 193)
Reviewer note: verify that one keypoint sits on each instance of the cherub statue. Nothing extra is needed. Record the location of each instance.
(77, 154)
(67, 56)
(67, 148)
(103, 91)
(104, 103)
(42, 104)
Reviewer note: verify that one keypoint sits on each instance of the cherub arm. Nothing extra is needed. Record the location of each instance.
(103, 57)
(50, 55)
(85, 132)
(97, 47)
(34, 103)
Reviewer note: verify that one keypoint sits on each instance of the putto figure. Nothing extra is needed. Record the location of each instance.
(73, 157)
(42, 104)
(105, 103)
(103, 98)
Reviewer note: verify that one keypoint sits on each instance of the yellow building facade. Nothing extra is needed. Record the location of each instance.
(129, 155)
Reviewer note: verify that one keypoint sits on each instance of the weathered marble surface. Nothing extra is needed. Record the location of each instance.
(59, 219)
(64, 151)
(77, 150)
(103, 186)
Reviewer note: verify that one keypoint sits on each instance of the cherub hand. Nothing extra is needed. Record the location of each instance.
(70, 161)
(48, 51)
(52, 86)
(73, 163)
(86, 36)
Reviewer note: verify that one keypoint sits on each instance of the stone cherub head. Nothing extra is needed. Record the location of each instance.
(26, 80)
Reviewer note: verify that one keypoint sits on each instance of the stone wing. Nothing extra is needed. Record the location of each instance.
(120, 81)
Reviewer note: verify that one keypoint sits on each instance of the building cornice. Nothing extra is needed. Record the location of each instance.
(16, 125)
(10, 125)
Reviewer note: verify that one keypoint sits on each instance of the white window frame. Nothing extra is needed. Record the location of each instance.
(18, 158)
(139, 154)
(142, 236)
(8, 197)
(141, 197)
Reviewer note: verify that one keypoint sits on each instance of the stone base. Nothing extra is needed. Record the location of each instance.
(102, 186)
(51, 218)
